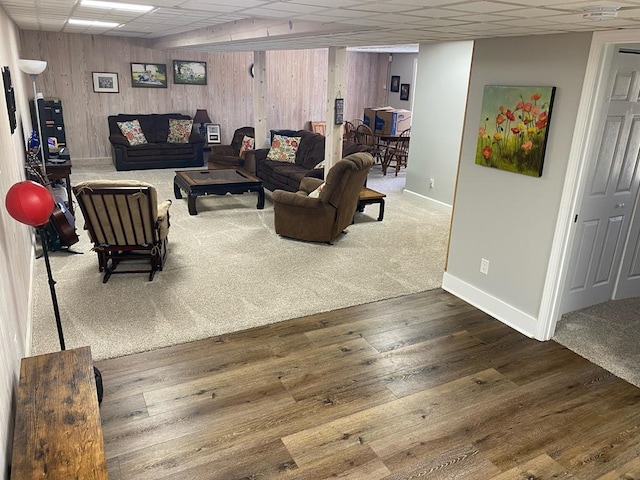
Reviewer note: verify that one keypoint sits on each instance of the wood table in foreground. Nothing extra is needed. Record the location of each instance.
(368, 197)
(58, 434)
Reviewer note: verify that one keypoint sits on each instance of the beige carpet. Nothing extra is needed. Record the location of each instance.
(227, 270)
(608, 334)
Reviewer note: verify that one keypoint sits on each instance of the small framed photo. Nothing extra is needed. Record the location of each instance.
(150, 75)
(189, 72)
(395, 83)
(105, 82)
(404, 91)
(213, 133)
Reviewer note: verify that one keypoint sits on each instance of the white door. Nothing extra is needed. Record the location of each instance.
(610, 192)
(629, 279)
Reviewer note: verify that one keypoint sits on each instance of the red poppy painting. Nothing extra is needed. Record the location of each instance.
(514, 128)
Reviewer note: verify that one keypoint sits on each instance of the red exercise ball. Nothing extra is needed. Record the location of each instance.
(29, 202)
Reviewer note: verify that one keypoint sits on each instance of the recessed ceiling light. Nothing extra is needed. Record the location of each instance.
(600, 12)
(93, 23)
(116, 6)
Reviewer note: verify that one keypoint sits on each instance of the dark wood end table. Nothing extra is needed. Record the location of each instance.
(368, 197)
(62, 171)
(196, 183)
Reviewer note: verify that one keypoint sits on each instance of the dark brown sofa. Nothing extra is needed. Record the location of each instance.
(287, 176)
(157, 153)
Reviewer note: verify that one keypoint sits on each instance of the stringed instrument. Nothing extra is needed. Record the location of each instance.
(61, 219)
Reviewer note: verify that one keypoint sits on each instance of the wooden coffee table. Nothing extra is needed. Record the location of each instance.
(215, 182)
(368, 197)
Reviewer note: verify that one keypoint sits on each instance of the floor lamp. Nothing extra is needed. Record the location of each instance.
(31, 203)
(33, 68)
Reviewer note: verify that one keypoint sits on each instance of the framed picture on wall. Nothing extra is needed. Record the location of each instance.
(213, 133)
(9, 97)
(514, 127)
(395, 83)
(105, 82)
(404, 91)
(189, 72)
(149, 75)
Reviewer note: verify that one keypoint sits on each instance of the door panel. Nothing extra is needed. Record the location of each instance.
(583, 253)
(612, 185)
(629, 170)
(611, 241)
(629, 280)
(605, 162)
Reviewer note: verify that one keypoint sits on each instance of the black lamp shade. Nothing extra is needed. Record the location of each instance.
(201, 116)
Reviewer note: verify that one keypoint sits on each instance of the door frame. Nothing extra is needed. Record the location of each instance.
(591, 108)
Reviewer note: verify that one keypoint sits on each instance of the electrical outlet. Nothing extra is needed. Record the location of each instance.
(432, 182)
(484, 266)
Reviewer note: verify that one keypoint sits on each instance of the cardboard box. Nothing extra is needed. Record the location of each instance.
(370, 117)
(392, 122)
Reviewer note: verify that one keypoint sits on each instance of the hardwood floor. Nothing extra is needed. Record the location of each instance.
(423, 386)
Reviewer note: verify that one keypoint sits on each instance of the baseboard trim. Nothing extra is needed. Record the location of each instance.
(28, 338)
(438, 205)
(498, 309)
(92, 161)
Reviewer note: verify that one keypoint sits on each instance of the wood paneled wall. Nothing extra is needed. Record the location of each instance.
(296, 93)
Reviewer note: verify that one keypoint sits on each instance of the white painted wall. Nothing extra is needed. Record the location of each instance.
(508, 218)
(402, 65)
(438, 118)
(16, 247)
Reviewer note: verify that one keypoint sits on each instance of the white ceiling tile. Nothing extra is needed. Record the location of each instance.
(483, 7)
(381, 8)
(330, 3)
(480, 18)
(372, 21)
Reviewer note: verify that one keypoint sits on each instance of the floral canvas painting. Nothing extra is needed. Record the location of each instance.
(514, 128)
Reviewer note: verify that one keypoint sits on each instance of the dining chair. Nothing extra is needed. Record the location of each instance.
(397, 153)
(349, 132)
(364, 136)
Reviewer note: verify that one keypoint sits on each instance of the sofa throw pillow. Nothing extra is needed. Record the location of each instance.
(132, 132)
(179, 130)
(247, 144)
(283, 148)
(316, 192)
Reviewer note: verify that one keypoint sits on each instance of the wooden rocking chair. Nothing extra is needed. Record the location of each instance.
(124, 222)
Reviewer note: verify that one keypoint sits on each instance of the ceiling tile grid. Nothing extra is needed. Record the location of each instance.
(374, 22)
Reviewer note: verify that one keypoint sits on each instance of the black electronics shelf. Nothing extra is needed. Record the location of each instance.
(52, 126)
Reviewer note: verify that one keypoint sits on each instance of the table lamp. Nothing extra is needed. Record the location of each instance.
(201, 117)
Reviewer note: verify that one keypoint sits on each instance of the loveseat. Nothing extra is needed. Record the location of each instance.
(155, 151)
(279, 175)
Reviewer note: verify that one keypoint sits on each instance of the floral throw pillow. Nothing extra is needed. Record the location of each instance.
(133, 132)
(179, 130)
(247, 144)
(283, 148)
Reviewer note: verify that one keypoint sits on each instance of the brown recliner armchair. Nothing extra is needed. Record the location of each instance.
(228, 156)
(322, 218)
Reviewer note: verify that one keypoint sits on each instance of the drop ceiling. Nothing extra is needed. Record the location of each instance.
(227, 25)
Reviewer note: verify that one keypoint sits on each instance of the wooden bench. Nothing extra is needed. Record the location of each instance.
(58, 434)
